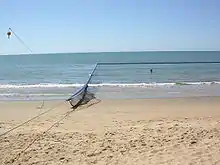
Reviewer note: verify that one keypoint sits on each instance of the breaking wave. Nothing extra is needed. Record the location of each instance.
(54, 85)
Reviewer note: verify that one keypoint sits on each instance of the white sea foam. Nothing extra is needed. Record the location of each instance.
(5, 86)
(18, 86)
(150, 84)
(33, 94)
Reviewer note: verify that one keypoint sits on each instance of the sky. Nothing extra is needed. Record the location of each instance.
(59, 26)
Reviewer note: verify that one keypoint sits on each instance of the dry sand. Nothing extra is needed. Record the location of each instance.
(145, 131)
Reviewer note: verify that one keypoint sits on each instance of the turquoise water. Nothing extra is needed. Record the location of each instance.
(57, 76)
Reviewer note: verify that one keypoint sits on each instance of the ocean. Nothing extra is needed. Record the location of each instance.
(57, 76)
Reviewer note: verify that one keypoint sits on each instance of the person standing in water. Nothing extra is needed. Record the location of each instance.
(151, 71)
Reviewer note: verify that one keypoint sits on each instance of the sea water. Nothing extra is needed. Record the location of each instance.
(57, 76)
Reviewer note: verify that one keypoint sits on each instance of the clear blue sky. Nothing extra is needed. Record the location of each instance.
(110, 25)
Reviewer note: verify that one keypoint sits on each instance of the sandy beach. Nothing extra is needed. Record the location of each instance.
(140, 131)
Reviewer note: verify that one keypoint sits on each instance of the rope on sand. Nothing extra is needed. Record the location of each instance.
(54, 124)
(40, 135)
(31, 119)
(82, 91)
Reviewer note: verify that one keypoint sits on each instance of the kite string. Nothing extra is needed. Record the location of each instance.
(20, 40)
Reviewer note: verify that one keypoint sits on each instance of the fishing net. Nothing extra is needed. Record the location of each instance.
(107, 78)
(82, 96)
(145, 80)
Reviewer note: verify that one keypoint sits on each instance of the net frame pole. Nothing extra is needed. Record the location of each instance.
(82, 90)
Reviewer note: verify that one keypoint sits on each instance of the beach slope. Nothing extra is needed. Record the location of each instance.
(139, 131)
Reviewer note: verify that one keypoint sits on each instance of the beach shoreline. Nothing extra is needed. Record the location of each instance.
(120, 131)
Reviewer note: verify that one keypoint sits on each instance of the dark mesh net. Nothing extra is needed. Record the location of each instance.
(140, 80)
(82, 96)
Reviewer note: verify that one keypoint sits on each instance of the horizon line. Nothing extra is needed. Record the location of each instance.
(133, 51)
